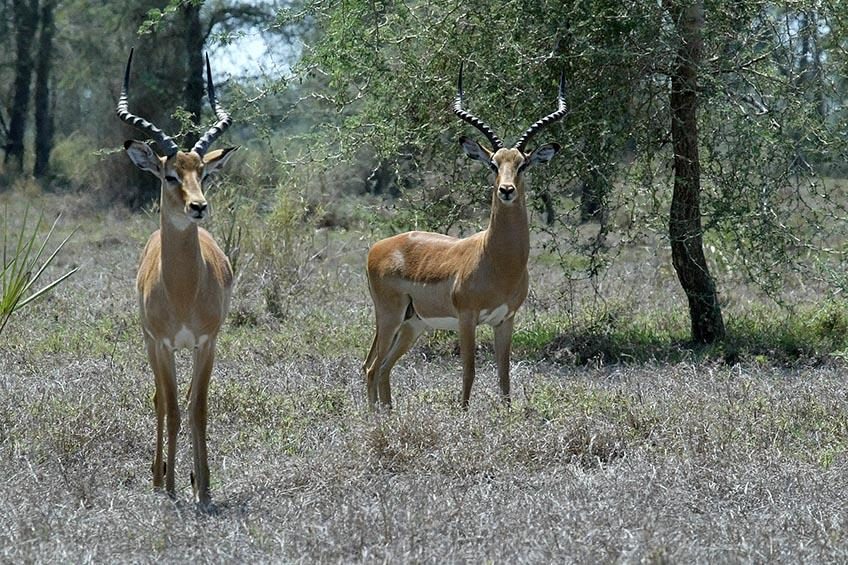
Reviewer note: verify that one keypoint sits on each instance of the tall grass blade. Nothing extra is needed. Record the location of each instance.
(17, 278)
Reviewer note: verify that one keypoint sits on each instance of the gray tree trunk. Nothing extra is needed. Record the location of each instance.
(196, 71)
(685, 230)
(43, 114)
(25, 20)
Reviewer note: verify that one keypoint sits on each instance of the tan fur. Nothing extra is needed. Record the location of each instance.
(184, 283)
(445, 277)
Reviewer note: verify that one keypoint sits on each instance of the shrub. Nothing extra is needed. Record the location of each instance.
(22, 266)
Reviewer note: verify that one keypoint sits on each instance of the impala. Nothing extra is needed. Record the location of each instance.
(184, 283)
(421, 280)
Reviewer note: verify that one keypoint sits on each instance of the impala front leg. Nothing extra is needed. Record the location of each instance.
(467, 346)
(204, 358)
(503, 345)
(159, 406)
(166, 377)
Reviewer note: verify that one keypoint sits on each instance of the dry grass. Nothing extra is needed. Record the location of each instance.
(684, 461)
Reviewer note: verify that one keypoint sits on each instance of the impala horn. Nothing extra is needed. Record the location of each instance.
(166, 144)
(473, 120)
(547, 120)
(224, 119)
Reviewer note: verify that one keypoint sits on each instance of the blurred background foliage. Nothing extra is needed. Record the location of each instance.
(344, 109)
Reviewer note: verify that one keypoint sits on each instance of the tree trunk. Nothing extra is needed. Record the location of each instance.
(43, 115)
(594, 189)
(25, 20)
(196, 71)
(592, 194)
(685, 230)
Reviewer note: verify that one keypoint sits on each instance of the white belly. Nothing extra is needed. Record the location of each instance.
(490, 317)
(442, 323)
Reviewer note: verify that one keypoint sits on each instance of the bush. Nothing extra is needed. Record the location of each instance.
(20, 261)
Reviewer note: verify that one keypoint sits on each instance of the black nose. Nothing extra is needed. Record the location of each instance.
(198, 207)
(506, 190)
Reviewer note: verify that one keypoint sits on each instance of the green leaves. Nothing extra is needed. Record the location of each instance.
(156, 16)
(22, 266)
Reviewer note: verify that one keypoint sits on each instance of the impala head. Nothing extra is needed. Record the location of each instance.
(508, 164)
(181, 172)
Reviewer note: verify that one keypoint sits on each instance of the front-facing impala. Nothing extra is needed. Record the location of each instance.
(421, 280)
(184, 282)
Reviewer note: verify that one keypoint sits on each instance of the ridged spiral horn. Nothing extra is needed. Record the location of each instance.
(473, 120)
(224, 119)
(547, 120)
(165, 143)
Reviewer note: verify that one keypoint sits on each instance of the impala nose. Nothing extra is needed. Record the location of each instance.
(198, 209)
(506, 191)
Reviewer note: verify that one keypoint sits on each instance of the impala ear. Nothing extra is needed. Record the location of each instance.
(216, 160)
(475, 150)
(544, 153)
(143, 156)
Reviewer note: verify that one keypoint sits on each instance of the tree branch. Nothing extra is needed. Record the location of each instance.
(231, 15)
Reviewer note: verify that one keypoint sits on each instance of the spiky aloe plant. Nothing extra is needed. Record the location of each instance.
(22, 266)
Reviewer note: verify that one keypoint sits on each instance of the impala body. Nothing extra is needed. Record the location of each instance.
(422, 280)
(184, 284)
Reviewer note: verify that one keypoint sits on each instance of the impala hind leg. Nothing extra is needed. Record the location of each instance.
(503, 346)
(204, 358)
(406, 336)
(390, 314)
(158, 466)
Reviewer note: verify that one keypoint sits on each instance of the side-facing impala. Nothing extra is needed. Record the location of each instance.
(421, 280)
(184, 283)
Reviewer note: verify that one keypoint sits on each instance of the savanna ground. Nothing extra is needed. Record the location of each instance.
(622, 443)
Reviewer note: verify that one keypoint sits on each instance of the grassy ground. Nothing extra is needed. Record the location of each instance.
(622, 444)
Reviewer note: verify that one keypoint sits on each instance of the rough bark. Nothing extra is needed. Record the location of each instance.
(43, 114)
(25, 20)
(594, 188)
(685, 229)
(195, 71)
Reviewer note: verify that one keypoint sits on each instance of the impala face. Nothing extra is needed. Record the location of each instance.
(509, 165)
(182, 177)
(181, 184)
(184, 185)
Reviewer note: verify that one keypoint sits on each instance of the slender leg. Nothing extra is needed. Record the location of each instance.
(370, 368)
(503, 345)
(389, 312)
(159, 407)
(168, 387)
(371, 353)
(407, 335)
(204, 358)
(467, 328)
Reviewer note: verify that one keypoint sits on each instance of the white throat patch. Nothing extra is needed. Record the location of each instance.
(179, 221)
(184, 339)
(496, 316)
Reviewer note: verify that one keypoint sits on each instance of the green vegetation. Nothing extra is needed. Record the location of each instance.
(23, 266)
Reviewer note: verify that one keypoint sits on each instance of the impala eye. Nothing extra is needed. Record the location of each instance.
(494, 166)
(172, 179)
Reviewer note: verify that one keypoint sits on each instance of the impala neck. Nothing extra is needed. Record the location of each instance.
(508, 235)
(182, 261)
